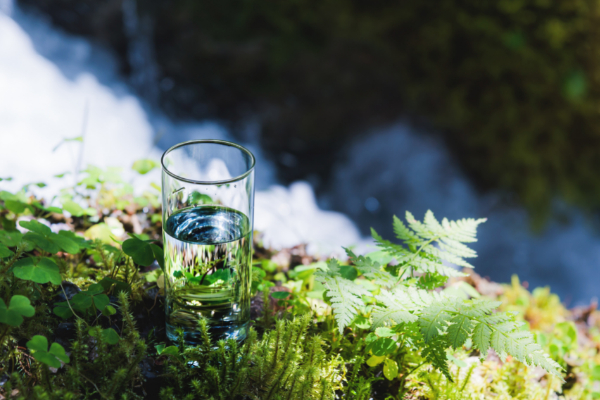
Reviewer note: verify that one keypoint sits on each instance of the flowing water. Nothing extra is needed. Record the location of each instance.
(208, 272)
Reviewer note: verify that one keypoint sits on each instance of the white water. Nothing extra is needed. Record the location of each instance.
(394, 170)
(55, 86)
(47, 78)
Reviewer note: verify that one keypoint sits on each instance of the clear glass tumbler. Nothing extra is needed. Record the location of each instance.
(208, 207)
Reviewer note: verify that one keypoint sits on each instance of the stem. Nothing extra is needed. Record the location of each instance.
(412, 272)
(68, 303)
(2, 336)
(7, 266)
(414, 369)
(89, 380)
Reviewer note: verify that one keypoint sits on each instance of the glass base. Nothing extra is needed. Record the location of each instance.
(192, 337)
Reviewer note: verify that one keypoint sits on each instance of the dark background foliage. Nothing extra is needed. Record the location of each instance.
(512, 85)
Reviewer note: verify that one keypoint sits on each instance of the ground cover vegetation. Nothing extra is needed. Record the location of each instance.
(82, 316)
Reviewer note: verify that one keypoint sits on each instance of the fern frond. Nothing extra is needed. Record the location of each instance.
(425, 265)
(463, 230)
(371, 270)
(345, 295)
(403, 232)
(434, 352)
(459, 330)
(481, 338)
(433, 320)
(393, 309)
(507, 338)
(394, 249)
(447, 255)
(420, 228)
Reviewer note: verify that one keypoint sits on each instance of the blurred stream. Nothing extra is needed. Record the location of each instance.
(48, 78)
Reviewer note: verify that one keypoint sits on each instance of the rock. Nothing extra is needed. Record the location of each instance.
(71, 290)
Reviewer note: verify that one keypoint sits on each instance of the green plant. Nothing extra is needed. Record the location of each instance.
(405, 310)
(393, 324)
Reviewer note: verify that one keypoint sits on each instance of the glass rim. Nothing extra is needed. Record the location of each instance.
(212, 141)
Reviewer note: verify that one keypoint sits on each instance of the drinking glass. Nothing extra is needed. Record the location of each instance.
(208, 207)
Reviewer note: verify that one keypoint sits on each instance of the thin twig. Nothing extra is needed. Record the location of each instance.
(68, 303)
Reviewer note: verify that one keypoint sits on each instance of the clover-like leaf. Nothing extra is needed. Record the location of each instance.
(47, 240)
(108, 311)
(139, 250)
(38, 270)
(171, 351)
(5, 251)
(36, 227)
(101, 301)
(15, 206)
(51, 357)
(79, 240)
(42, 242)
(65, 243)
(10, 238)
(118, 286)
(109, 335)
(159, 255)
(62, 310)
(18, 307)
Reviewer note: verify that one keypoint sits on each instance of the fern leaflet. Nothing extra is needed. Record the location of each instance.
(345, 295)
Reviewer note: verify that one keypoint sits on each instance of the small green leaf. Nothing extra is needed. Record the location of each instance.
(5, 251)
(62, 310)
(170, 351)
(348, 272)
(94, 289)
(159, 255)
(119, 286)
(109, 335)
(65, 243)
(38, 270)
(10, 238)
(101, 301)
(38, 343)
(19, 307)
(159, 348)
(362, 322)
(81, 301)
(36, 227)
(384, 332)
(144, 166)
(375, 360)
(73, 208)
(140, 251)
(15, 206)
(79, 240)
(390, 369)
(382, 347)
(39, 347)
(42, 242)
(280, 295)
(108, 311)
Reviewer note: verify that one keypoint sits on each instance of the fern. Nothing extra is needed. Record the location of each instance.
(345, 295)
(420, 254)
(372, 270)
(441, 321)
